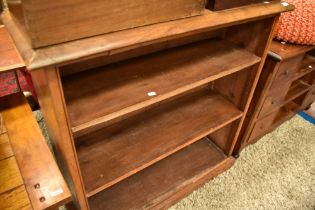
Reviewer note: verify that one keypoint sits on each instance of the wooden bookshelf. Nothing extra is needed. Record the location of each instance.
(129, 112)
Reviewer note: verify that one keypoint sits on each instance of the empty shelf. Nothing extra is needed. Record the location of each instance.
(175, 176)
(118, 151)
(126, 87)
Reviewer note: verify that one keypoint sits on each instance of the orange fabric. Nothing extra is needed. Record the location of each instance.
(298, 26)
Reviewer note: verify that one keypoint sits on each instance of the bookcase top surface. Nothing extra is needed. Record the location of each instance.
(283, 50)
(121, 41)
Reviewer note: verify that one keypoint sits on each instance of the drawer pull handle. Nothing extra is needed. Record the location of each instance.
(286, 73)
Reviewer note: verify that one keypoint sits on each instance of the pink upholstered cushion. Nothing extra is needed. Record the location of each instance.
(298, 26)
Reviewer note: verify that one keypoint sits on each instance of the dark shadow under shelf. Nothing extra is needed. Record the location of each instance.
(168, 179)
(121, 150)
(121, 89)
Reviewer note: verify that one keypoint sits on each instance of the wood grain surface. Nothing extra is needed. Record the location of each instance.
(52, 22)
(49, 90)
(16, 199)
(9, 175)
(124, 87)
(36, 163)
(10, 58)
(158, 184)
(5, 147)
(142, 141)
(2, 126)
(113, 43)
(284, 51)
(284, 88)
(117, 152)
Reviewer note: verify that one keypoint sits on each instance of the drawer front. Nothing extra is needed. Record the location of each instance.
(288, 70)
(274, 99)
(262, 127)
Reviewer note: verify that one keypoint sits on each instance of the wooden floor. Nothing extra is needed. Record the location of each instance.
(13, 194)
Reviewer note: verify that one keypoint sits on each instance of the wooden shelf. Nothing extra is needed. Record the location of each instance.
(297, 88)
(164, 180)
(123, 149)
(285, 51)
(120, 89)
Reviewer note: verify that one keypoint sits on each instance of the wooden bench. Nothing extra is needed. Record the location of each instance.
(29, 175)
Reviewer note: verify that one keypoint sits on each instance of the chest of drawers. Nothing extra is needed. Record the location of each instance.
(285, 88)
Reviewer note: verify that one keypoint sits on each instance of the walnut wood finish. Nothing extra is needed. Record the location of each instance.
(191, 165)
(281, 51)
(284, 94)
(124, 87)
(50, 95)
(34, 160)
(256, 39)
(165, 129)
(157, 133)
(285, 88)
